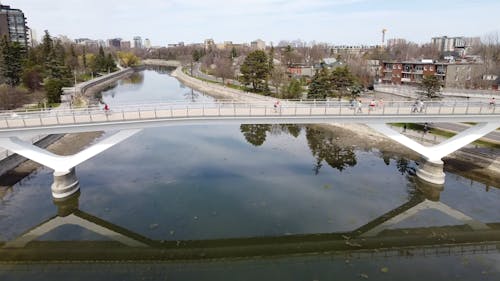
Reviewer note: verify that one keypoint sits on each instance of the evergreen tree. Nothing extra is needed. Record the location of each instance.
(271, 58)
(11, 55)
(320, 86)
(72, 61)
(255, 71)
(234, 54)
(110, 63)
(47, 45)
(53, 88)
(342, 81)
(84, 59)
(294, 89)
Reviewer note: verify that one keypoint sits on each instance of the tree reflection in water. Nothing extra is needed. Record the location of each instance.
(324, 146)
(255, 134)
(134, 78)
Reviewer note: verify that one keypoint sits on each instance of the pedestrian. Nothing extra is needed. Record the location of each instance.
(421, 106)
(372, 105)
(414, 107)
(404, 127)
(275, 105)
(106, 107)
(492, 102)
(360, 106)
(426, 127)
(381, 103)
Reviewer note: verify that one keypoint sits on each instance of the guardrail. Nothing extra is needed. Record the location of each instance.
(289, 108)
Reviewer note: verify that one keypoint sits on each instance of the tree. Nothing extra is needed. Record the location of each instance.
(320, 86)
(294, 90)
(431, 86)
(53, 88)
(32, 77)
(197, 55)
(255, 71)
(278, 78)
(47, 45)
(128, 59)
(233, 53)
(11, 61)
(84, 58)
(342, 81)
(271, 58)
(223, 68)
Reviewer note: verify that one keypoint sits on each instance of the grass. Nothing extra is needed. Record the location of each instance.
(446, 134)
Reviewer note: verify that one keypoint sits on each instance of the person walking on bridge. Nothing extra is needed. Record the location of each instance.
(492, 103)
(360, 107)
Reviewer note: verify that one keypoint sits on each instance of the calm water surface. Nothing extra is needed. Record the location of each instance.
(210, 183)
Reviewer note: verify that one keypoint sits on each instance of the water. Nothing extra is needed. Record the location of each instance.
(294, 196)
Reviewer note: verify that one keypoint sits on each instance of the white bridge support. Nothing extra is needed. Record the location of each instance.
(65, 180)
(431, 170)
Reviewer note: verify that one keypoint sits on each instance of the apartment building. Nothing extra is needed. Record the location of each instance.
(453, 75)
(13, 25)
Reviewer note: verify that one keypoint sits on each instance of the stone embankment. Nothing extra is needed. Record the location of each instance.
(94, 85)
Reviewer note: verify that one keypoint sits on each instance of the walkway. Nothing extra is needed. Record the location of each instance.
(255, 112)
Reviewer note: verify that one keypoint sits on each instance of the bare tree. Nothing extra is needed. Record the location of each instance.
(224, 68)
(278, 78)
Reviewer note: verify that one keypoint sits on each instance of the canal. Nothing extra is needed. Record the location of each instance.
(249, 202)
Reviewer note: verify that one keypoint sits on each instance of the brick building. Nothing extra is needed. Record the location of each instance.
(453, 75)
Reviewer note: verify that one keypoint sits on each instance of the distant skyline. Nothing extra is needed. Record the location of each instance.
(329, 21)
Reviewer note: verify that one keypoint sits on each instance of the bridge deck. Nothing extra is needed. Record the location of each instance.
(148, 115)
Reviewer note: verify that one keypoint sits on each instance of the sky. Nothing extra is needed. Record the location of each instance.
(336, 22)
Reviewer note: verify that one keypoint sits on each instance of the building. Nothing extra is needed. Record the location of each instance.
(209, 44)
(115, 43)
(463, 75)
(33, 37)
(147, 43)
(138, 42)
(460, 74)
(81, 41)
(13, 25)
(125, 45)
(258, 44)
(457, 45)
(395, 42)
(351, 49)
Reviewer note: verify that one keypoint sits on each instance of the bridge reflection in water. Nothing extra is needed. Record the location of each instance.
(378, 237)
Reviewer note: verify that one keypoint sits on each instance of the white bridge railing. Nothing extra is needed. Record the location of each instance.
(183, 109)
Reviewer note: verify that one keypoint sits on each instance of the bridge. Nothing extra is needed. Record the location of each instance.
(128, 119)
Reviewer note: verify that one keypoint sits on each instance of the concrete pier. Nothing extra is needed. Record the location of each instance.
(65, 184)
(431, 171)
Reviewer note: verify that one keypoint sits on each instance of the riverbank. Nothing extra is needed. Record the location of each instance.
(461, 160)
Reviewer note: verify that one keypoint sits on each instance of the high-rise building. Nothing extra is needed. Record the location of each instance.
(147, 43)
(13, 25)
(138, 42)
(114, 43)
(459, 45)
